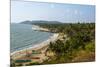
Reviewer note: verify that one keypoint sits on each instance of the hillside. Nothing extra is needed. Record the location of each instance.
(39, 22)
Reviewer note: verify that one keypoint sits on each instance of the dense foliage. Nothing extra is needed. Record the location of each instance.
(81, 41)
(76, 45)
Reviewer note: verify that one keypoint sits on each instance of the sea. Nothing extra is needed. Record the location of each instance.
(22, 36)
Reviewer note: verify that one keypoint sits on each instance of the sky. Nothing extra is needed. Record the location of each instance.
(24, 10)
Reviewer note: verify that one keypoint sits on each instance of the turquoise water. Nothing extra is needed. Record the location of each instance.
(22, 36)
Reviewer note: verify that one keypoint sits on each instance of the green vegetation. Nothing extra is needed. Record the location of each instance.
(76, 44)
(22, 61)
(80, 45)
(35, 52)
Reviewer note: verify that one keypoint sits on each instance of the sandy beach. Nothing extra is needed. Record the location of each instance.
(39, 47)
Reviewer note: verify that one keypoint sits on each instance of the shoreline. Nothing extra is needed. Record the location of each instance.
(39, 46)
